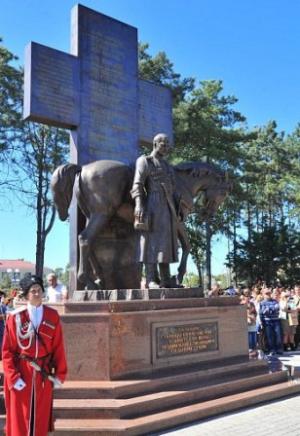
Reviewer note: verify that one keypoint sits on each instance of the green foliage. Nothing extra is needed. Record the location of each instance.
(63, 274)
(29, 151)
(222, 280)
(191, 280)
(10, 113)
(208, 128)
(5, 283)
(271, 254)
(261, 215)
(159, 69)
(43, 149)
(269, 208)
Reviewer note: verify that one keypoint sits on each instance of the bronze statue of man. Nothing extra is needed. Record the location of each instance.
(155, 213)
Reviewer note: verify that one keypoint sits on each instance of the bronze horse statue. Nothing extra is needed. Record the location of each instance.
(102, 190)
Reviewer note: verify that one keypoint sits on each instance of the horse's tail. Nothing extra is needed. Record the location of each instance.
(62, 182)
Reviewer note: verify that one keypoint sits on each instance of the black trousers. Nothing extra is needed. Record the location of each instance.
(297, 335)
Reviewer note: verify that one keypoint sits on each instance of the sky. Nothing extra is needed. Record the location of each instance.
(253, 46)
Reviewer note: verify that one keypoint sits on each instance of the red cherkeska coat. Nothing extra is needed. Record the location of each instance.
(38, 390)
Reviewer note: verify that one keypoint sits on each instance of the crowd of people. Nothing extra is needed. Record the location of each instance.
(33, 352)
(273, 316)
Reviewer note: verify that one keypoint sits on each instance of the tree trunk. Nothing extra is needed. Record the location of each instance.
(199, 272)
(249, 219)
(40, 250)
(249, 236)
(39, 228)
(234, 248)
(208, 254)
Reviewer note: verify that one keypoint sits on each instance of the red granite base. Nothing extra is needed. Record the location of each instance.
(107, 341)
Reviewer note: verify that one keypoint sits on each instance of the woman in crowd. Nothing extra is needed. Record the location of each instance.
(288, 331)
(297, 307)
(251, 321)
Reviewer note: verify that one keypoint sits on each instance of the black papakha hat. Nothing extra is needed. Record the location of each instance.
(29, 281)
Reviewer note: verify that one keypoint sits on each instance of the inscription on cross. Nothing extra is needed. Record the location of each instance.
(96, 93)
(95, 90)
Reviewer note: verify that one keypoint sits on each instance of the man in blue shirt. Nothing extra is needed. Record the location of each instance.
(269, 317)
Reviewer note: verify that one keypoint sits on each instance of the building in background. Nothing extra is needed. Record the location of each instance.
(16, 269)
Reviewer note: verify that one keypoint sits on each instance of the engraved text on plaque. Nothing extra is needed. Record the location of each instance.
(186, 339)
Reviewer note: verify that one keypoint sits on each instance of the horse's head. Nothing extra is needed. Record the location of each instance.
(62, 188)
(214, 197)
(195, 178)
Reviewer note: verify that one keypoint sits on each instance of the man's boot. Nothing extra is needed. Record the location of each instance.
(152, 279)
(165, 278)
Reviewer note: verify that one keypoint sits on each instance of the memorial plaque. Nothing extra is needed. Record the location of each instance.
(184, 339)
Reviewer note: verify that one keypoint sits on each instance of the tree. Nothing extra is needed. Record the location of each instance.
(196, 235)
(208, 128)
(270, 184)
(63, 274)
(10, 113)
(42, 150)
(159, 69)
(191, 280)
(29, 151)
(272, 254)
(5, 282)
(222, 280)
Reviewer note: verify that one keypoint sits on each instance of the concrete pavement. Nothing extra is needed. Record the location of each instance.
(277, 418)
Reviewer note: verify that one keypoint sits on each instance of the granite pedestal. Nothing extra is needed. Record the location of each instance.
(109, 340)
(139, 364)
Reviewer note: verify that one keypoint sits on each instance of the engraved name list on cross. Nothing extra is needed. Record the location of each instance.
(95, 91)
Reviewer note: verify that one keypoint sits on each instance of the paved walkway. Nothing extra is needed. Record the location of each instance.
(276, 418)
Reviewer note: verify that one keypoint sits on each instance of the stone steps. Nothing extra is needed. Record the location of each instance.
(160, 400)
(129, 388)
(175, 416)
(140, 406)
(122, 398)
(164, 399)
(120, 384)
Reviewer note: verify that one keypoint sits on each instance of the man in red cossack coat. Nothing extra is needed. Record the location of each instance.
(33, 361)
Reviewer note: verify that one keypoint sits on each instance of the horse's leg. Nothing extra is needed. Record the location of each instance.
(186, 247)
(97, 270)
(86, 239)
